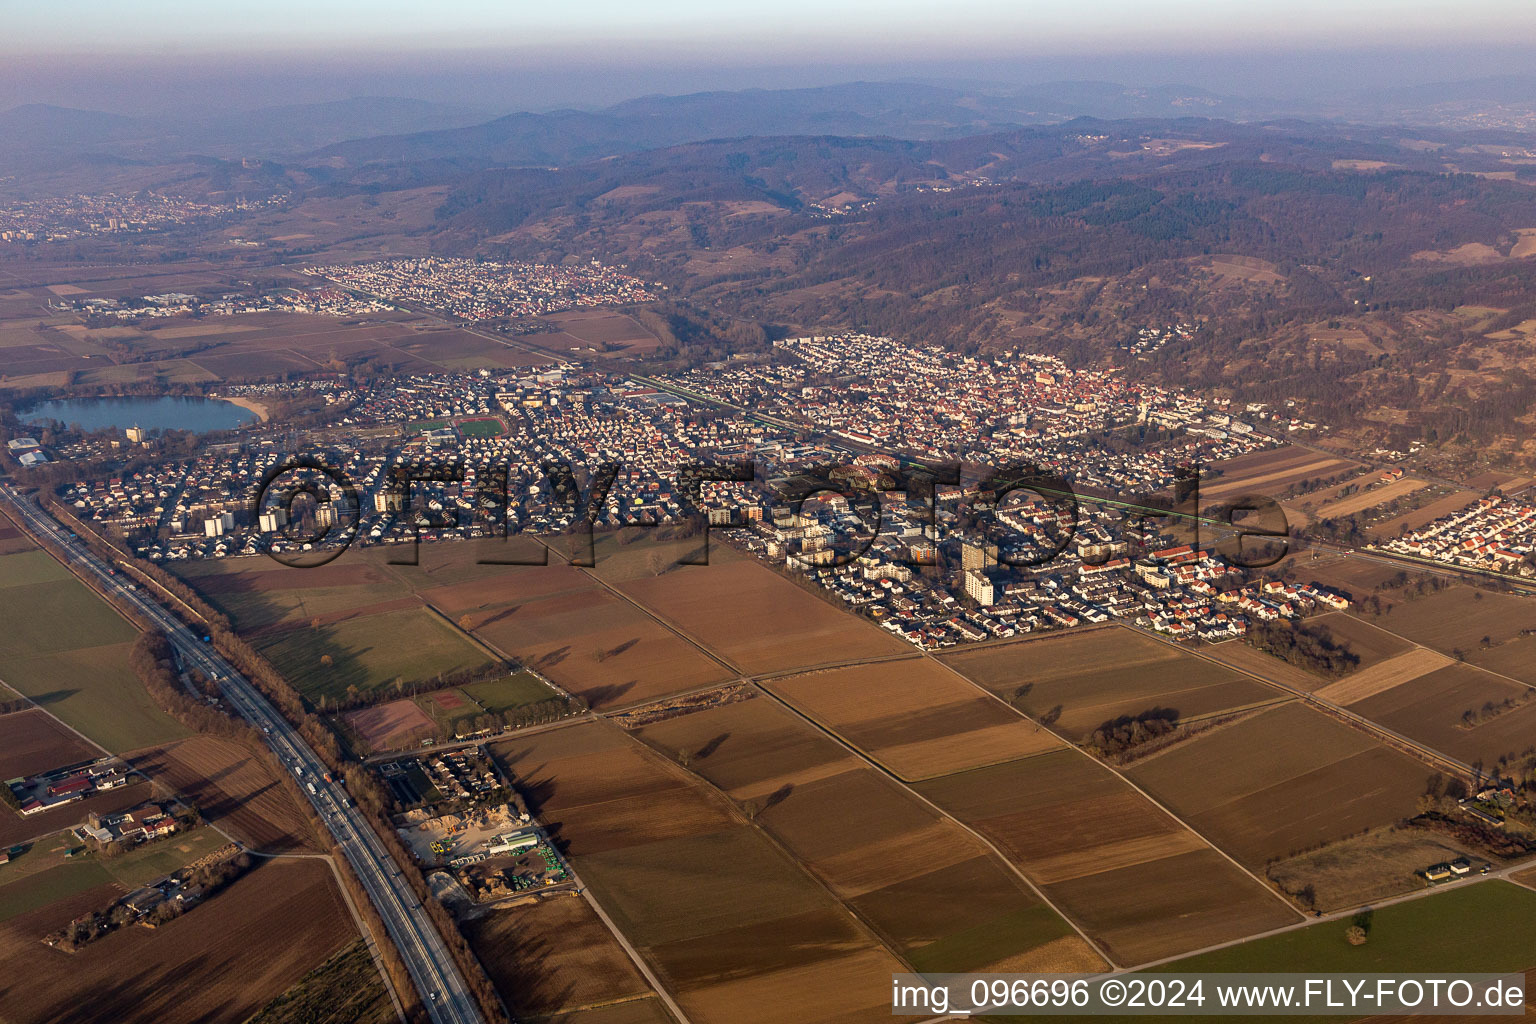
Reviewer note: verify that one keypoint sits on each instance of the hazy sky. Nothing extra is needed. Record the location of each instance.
(144, 56)
(849, 26)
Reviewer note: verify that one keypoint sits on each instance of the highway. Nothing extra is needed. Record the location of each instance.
(437, 978)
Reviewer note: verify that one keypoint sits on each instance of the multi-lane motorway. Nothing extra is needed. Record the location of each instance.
(437, 978)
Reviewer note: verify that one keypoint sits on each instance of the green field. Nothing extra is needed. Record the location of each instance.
(422, 426)
(26, 567)
(509, 692)
(1453, 930)
(1472, 928)
(481, 428)
(369, 652)
(50, 886)
(67, 649)
(987, 941)
(494, 695)
(153, 861)
(58, 615)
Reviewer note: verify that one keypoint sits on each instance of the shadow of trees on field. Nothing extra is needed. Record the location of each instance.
(53, 697)
(609, 693)
(614, 652)
(551, 658)
(713, 745)
(504, 613)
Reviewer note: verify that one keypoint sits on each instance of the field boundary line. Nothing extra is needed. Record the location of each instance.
(762, 684)
(363, 932)
(1434, 650)
(1267, 887)
(92, 743)
(946, 816)
(1421, 752)
(778, 844)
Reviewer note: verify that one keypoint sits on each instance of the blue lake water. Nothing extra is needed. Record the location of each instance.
(165, 413)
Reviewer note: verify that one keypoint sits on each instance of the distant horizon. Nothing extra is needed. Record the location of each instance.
(199, 84)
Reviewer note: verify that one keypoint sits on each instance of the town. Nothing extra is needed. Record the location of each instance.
(485, 289)
(844, 402)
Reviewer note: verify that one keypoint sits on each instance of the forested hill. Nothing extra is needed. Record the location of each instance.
(1322, 262)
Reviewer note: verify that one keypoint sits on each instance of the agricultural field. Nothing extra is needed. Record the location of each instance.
(1441, 933)
(1269, 473)
(1282, 781)
(71, 878)
(258, 593)
(377, 622)
(368, 652)
(736, 930)
(12, 540)
(234, 789)
(913, 716)
(90, 687)
(1423, 515)
(554, 955)
(729, 604)
(954, 908)
(1242, 657)
(613, 333)
(32, 742)
(1355, 578)
(1080, 680)
(595, 644)
(1371, 644)
(632, 1011)
(1368, 497)
(1363, 492)
(225, 959)
(1142, 885)
(1384, 676)
(1459, 618)
(347, 987)
(1431, 708)
(241, 347)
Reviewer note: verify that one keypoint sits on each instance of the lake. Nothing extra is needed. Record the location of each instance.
(165, 413)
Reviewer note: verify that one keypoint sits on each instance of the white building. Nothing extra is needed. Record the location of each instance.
(979, 587)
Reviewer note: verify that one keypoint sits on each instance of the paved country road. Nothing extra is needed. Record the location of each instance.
(437, 978)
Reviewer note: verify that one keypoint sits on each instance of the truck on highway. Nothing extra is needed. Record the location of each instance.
(298, 770)
(311, 788)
